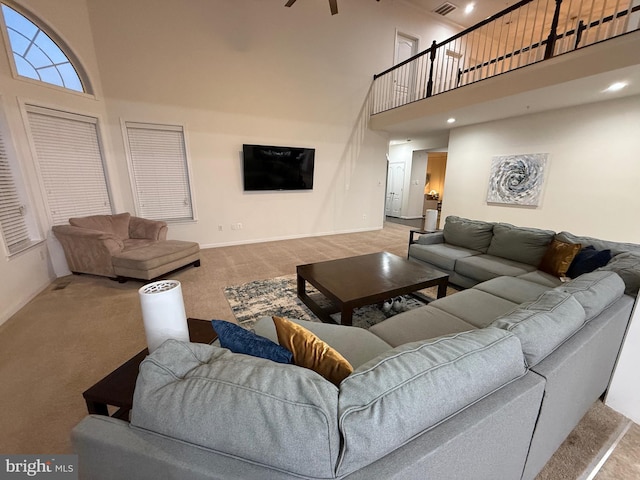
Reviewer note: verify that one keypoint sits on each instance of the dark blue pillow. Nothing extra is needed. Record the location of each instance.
(587, 260)
(241, 340)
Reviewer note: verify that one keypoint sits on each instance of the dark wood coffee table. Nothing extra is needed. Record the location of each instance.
(116, 389)
(364, 280)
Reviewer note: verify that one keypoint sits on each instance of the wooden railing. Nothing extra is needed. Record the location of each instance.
(529, 31)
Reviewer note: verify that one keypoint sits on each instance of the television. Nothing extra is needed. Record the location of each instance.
(277, 168)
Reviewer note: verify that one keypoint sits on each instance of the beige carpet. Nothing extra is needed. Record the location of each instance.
(82, 327)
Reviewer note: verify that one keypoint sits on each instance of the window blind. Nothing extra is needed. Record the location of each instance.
(71, 164)
(12, 222)
(160, 172)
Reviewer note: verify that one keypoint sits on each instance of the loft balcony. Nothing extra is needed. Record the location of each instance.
(533, 56)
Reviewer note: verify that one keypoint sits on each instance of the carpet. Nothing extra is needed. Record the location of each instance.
(278, 296)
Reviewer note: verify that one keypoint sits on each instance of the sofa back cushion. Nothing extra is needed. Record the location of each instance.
(544, 324)
(521, 244)
(117, 225)
(595, 291)
(627, 266)
(615, 247)
(276, 415)
(471, 234)
(411, 388)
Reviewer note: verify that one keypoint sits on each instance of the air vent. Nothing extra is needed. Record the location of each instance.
(445, 9)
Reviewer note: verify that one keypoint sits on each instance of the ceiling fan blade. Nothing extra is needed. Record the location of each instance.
(333, 4)
(290, 2)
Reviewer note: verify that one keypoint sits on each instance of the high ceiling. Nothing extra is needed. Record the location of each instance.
(482, 9)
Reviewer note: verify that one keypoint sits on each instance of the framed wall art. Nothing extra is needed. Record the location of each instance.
(517, 179)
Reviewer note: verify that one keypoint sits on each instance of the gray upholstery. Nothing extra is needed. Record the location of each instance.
(419, 324)
(542, 325)
(486, 267)
(383, 404)
(431, 238)
(357, 345)
(469, 234)
(595, 291)
(627, 266)
(474, 306)
(542, 278)
(246, 406)
(516, 290)
(440, 255)
(521, 244)
(615, 247)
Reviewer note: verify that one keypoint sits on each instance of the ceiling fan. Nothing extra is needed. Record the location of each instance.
(333, 5)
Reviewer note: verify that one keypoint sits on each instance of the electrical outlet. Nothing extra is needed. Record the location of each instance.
(239, 226)
(219, 228)
(364, 216)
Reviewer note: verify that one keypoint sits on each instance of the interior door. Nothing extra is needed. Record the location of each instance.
(404, 78)
(395, 183)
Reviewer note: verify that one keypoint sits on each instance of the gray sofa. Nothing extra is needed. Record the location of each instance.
(482, 384)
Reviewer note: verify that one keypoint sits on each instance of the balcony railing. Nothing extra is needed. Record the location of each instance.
(525, 33)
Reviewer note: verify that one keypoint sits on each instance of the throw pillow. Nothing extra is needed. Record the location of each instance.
(311, 352)
(587, 260)
(558, 258)
(241, 340)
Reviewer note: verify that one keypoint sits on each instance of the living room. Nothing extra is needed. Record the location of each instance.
(258, 73)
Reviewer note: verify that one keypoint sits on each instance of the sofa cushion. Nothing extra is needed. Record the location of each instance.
(544, 324)
(474, 306)
(595, 291)
(541, 278)
(357, 345)
(470, 234)
(267, 413)
(521, 244)
(514, 289)
(420, 323)
(311, 352)
(558, 257)
(241, 340)
(118, 224)
(440, 255)
(154, 254)
(615, 247)
(388, 401)
(587, 260)
(486, 267)
(627, 266)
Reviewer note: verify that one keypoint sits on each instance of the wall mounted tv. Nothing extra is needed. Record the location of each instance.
(277, 168)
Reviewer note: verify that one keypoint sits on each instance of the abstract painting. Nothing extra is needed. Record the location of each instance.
(517, 179)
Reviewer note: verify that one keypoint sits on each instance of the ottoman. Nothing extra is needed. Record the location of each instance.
(157, 258)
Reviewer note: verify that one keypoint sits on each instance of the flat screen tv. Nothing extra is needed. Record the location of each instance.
(277, 168)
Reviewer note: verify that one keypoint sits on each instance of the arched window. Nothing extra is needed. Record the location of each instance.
(36, 55)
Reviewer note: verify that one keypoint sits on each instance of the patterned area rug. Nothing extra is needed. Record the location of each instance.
(277, 296)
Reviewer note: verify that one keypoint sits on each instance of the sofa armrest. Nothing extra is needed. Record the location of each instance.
(88, 251)
(426, 238)
(144, 228)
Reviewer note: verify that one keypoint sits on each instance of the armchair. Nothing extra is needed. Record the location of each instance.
(123, 246)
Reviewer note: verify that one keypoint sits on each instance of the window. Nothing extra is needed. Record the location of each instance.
(70, 162)
(36, 55)
(159, 171)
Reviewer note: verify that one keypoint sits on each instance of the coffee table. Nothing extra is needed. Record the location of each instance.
(116, 389)
(364, 280)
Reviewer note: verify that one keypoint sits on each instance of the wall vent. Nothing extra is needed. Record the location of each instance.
(445, 9)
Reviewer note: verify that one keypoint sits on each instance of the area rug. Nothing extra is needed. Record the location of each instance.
(278, 296)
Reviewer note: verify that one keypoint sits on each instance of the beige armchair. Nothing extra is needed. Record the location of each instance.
(123, 246)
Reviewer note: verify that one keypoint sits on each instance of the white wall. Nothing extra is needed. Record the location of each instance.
(232, 73)
(592, 176)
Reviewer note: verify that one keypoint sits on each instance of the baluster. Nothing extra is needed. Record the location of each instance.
(432, 57)
(553, 34)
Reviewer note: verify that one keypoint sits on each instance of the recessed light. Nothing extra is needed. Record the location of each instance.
(469, 8)
(451, 120)
(614, 87)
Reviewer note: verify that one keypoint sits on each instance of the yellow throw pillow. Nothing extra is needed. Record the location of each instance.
(311, 352)
(558, 257)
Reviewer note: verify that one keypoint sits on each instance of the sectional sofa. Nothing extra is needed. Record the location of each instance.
(482, 384)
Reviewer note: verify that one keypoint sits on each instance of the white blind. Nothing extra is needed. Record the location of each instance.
(70, 162)
(14, 228)
(160, 171)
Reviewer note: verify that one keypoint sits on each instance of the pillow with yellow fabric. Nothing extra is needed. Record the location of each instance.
(311, 352)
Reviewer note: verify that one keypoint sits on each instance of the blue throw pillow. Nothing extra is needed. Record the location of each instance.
(587, 260)
(241, 340)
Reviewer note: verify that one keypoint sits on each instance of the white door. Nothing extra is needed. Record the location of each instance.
(395, 182)
(404, 79)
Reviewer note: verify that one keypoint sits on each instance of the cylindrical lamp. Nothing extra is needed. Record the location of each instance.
(163, 313)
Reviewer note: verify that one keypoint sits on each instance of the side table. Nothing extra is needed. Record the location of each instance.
(116, 389)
